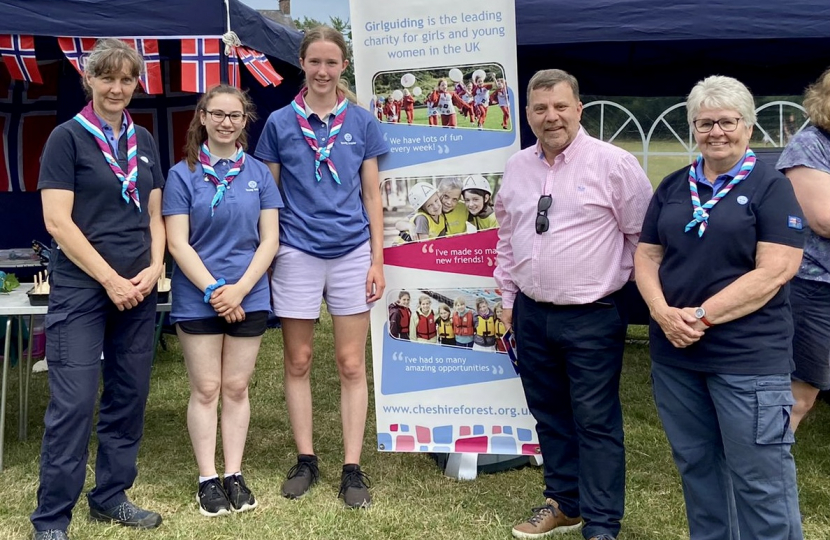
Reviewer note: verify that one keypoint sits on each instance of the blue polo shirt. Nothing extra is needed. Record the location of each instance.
(109, 133)
(117, 230)
(225, 242)
(322, 218)
(762, 208)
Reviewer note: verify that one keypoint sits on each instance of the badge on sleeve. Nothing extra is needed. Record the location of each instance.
(794, 222)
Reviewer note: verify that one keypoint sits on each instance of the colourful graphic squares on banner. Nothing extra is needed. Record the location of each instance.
(405, 443)
(393, 428)
(442, 435)
(472, 444)
(464, 431)
(531, 449)
(385, 442)
(424, 449)
(478, 430)
(503, 445)
(441, 449)
(496, 430)
(508, 430)
(524, 434)
(404, 428)
(423, 434)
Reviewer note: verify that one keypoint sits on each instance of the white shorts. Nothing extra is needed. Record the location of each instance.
(300, 281)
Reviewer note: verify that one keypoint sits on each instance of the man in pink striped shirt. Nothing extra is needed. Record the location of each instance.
(570, 211)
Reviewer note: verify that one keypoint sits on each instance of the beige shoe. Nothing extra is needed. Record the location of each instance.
(545, 521)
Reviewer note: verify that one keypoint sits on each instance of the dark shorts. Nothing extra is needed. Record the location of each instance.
(811, 343)
(254, 325)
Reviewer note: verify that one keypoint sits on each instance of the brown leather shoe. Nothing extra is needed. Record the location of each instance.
(545, 521)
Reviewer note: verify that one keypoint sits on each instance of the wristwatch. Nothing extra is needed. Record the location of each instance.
(700, 314)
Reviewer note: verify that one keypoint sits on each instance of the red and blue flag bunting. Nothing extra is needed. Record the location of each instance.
(259, 66)
(233, 69)
(76, 50)
(200, 64)
(150, 78)
(18, 54)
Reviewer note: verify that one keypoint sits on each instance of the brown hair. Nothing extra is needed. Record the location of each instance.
(548, 78)
(817, 101)
(109, 57)
(327, 33)
(197, 133)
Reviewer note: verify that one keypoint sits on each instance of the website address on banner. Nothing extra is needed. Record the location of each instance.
(464, 410)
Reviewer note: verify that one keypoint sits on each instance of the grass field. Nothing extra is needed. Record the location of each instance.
(493, 120)
(413, 500)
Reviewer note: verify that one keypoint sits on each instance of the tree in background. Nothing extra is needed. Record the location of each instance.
(345, 28)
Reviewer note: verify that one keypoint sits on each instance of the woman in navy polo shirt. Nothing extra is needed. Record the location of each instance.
(720, 241)
(100, 181)
(806, 162)
(220, 208)
(322, 151)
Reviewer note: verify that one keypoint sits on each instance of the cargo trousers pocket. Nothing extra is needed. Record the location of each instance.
(772, 425)
(56, 336)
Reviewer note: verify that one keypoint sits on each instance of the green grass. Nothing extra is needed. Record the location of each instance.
(493, 120)
(413, 500)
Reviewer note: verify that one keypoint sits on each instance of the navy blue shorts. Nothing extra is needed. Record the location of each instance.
(811, 343)
(254, 325)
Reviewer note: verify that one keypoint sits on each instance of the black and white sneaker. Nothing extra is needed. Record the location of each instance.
(240, 496)
(354, 487)
(212, 499)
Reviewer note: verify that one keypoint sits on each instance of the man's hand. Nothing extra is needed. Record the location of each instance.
(507, 317)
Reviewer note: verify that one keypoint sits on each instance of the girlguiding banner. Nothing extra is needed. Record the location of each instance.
(440, 79)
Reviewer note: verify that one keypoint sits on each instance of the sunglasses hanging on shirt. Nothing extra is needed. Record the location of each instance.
(542, 207)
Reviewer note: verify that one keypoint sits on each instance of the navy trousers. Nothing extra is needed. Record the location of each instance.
(570, 359)
(730, 437)
(80, 325)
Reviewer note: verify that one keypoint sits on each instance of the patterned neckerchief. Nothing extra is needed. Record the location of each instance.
(322, 154)
(222, 184)
(700, 214)
(129, 190)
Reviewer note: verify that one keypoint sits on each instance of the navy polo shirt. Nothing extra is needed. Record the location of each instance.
(322, 218)
(762, 208)
(226, 242)
(117, 230)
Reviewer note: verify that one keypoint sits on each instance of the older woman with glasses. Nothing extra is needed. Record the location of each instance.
(720, 241)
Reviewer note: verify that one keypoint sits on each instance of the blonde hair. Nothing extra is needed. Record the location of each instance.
(817, 101)
(327, 33)
(459, 301)
(444, 307)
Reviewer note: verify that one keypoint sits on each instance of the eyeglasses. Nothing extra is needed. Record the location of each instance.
(219, 116)
(542, 207)
(705, 125)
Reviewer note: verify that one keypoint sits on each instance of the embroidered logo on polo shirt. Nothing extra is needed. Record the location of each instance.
(347, 139)
(794, 222)
(742, 200)
(252, 186)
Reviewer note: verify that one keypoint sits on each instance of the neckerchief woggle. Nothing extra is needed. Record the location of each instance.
(222, 184)
(322, 154)
(129, 190)
(700, 214)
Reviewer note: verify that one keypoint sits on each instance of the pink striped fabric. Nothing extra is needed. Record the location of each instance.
(600, 195)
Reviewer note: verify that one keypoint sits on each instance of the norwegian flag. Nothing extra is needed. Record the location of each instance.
(150, 78)
(18, 54)
(76, 50)
(259, 66)
(200, 64)
(233, 69)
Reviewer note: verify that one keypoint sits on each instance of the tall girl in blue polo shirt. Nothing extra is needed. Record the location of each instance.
(322, 151)
(220, 207)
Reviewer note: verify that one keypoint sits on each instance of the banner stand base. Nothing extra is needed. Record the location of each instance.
(466, 466)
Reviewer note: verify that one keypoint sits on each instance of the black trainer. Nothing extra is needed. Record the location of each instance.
(301, 477)
(354, 487)
(212, 498)
(240, 496)
(127, 514)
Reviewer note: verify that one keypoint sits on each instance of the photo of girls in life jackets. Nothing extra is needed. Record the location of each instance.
(464, 318)
(469, 96)
(428, 207)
